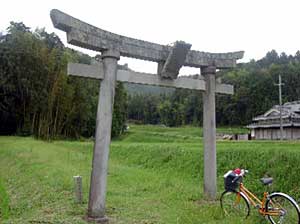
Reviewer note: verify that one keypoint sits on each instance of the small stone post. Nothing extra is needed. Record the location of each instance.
(96, 207)
(209, 133)
(78, 189)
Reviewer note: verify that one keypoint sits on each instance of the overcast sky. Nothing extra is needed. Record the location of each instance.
(254, 26)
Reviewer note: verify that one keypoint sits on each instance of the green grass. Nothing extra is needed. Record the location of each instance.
(155, 176)
(4, 202)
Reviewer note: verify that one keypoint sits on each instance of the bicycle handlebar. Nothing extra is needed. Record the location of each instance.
(243, 172)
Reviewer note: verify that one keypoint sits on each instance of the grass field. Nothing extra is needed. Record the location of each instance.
(155, 176)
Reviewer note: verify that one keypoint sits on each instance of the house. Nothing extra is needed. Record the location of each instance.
(267, 126)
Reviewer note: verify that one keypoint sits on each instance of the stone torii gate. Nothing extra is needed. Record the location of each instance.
(170, 59)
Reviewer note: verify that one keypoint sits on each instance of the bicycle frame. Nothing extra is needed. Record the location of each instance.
(256, 202)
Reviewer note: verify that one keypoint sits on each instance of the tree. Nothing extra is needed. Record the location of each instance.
(120, 111)
(36, 95)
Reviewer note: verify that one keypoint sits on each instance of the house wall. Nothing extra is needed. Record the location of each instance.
(296, 133)
(274, 133)
(242, 137)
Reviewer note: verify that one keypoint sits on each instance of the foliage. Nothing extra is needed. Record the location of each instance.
(36, 95)
(37, 98)
(255, 89)
(120, 111)
(255, 93)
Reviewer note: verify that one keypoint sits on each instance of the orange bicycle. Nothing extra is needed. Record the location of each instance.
(236, 200)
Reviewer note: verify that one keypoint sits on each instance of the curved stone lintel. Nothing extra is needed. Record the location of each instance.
(87, 36)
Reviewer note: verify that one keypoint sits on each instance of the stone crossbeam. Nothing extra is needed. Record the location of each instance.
(96, 72)
(87, 36)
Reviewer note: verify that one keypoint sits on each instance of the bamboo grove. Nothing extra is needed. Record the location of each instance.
(36, 95)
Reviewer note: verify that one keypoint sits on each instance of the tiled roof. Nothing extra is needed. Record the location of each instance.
(271, 119)
(289, 110)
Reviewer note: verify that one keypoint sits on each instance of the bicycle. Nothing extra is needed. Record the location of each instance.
(236, 200)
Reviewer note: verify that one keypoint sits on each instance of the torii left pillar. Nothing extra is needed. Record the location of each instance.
(97, 196)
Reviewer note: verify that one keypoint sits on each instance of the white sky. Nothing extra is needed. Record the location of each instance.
(254, 26)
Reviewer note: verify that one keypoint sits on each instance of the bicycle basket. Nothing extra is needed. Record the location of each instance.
(229, 184)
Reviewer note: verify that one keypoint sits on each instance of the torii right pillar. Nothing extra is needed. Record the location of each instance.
(209, 133)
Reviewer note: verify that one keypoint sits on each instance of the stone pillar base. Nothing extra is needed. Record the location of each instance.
(101, 220)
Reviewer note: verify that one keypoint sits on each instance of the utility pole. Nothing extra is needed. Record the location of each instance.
(280, 105)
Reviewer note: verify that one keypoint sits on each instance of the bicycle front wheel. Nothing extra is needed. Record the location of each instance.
(235, 204)
(284, 209)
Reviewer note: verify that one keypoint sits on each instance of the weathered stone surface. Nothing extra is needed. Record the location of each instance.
(97, 195)
(96, 72)
(78, 189)
(209, 137)
(175, 60)
(102, 220)
(211, 70)
(88, 71)
(149, 79)
(87, 36)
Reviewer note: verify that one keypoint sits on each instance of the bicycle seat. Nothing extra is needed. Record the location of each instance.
(266, 180)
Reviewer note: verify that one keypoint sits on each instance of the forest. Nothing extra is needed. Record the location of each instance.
(254, 87)
(38, 98)
(36, 95)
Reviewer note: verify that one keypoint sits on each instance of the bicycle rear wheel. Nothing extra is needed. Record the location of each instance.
(286, 208)
(235, 204)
